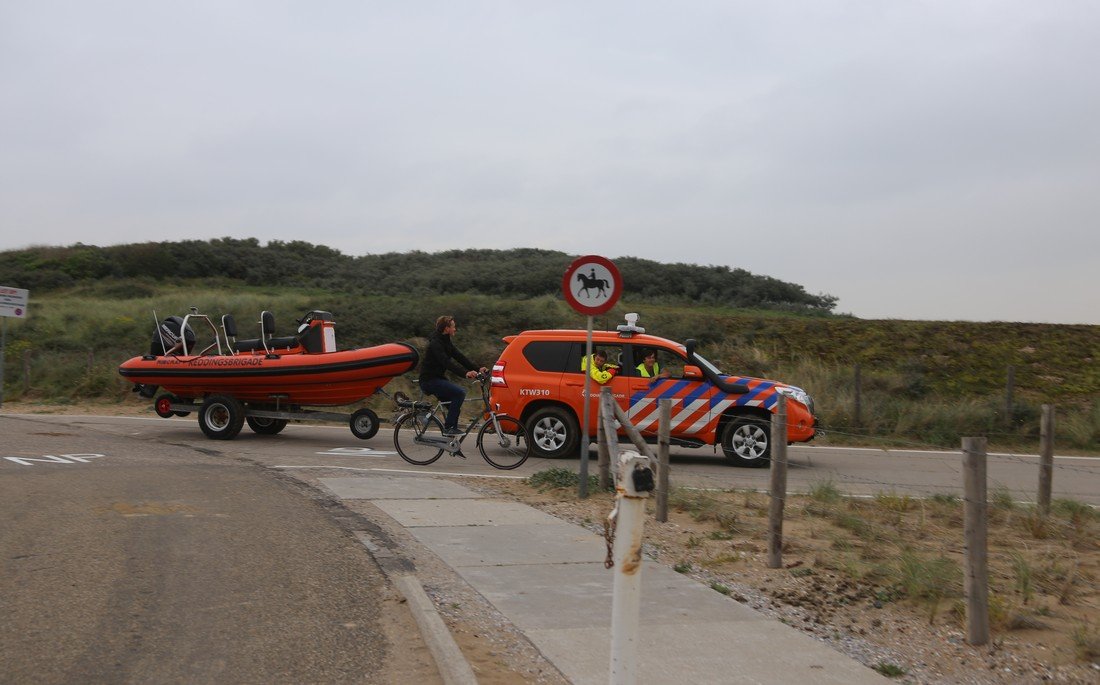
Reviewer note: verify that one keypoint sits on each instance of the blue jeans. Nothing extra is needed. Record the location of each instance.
(446, 391)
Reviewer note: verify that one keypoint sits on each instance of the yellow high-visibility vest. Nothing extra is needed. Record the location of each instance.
(598, 375)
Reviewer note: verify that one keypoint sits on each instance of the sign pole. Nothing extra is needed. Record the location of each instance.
(599, 288)
(582, 486)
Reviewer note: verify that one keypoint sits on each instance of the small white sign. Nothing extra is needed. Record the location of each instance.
(13, 301)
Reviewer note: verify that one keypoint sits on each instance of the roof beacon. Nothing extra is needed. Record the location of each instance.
(630, 327)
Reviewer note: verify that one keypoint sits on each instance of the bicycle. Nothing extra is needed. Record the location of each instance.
(419, 439)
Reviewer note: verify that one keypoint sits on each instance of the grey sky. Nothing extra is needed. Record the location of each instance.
(918, 160)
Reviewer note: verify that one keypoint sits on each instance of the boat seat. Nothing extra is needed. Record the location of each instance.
(229, 329)
(267, 342)
(267, 334)
(249, 345)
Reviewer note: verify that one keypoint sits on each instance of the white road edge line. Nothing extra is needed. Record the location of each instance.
(408, 471)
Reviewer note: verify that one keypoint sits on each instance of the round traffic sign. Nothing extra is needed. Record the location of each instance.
(591, 284)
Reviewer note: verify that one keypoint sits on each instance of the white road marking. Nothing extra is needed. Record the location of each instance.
(357, 452)
(409, 471)
(51, 459)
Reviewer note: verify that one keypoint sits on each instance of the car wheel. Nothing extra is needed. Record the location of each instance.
(746, 441)
(553, 432)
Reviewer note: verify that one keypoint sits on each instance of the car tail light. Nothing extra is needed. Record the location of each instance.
(497, 380)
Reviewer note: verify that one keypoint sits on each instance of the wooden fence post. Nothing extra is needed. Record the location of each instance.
(975, 531)
(1010, 388)
(603, 465)
(664, 421)
(607, 418)
(778, 490)
(856, 418)
(1046, 458)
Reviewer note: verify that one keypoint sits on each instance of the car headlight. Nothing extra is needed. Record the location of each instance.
(796, 393)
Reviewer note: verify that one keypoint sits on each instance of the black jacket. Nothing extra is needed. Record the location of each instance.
(438, 359)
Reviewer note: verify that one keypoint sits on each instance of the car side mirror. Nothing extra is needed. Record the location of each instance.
(692, 372)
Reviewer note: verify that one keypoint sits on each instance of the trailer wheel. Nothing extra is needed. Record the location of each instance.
(182, 400)
(221, 417)
(364, 424)
(265, 426)
(163, 405)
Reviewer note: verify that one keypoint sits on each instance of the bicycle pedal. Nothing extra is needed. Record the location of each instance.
(458, 453)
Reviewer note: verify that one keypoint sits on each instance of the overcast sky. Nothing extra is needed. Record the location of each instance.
(918, 160)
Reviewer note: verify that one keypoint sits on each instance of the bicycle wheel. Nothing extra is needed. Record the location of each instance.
(506, 448)
(408, 433)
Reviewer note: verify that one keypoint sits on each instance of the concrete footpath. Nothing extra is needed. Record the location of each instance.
(547, 577)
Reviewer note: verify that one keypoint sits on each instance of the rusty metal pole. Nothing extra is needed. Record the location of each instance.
(634, 483)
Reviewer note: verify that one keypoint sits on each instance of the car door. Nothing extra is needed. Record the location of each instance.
(690, 395)
(574, 379)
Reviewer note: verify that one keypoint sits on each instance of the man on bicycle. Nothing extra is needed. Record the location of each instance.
(441, 356)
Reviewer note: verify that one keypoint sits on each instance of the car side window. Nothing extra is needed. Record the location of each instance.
(666, 361)
(613, 353)
(673, 363)
(549, 355)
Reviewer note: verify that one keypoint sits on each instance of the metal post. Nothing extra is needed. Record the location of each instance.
(975, 529)
(582, 485)
(626, 594)
(1046, 458)
(664, 421)
(778, 490)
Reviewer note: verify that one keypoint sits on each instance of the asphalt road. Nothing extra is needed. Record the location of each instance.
(136, 551)
(857, 471)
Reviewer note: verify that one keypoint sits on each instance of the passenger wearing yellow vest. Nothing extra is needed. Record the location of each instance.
(649, 368)
(599, 369)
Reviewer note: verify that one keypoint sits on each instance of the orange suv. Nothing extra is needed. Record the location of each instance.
(539, 378)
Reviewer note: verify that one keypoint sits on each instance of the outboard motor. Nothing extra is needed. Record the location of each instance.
(168, 337)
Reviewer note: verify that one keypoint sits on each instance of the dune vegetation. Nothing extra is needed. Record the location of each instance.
(920, 382)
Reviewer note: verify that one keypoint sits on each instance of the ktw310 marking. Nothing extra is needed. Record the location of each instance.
(59, 459)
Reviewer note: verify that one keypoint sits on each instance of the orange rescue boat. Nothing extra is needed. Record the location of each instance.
(266, 381)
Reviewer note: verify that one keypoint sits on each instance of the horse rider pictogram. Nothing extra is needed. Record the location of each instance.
(600, 285)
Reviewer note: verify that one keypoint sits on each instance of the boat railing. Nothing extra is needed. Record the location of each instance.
(194, 315)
